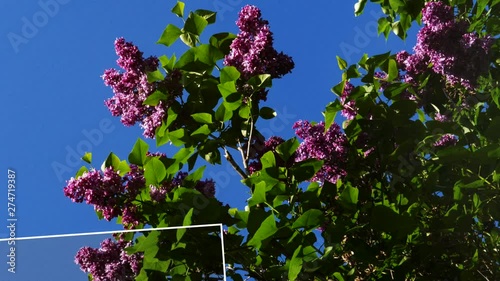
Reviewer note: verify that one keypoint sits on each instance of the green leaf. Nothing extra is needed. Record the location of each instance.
(227, 89)
(350, 195)
(166, 63)
(268, 160)
(178, 137)
(178, 9)
(87, 157)
(204, 130)
(261, 81)
(183, 154)
(288, 148)
(195, 24)
(111, 161)
(207, 54)
(169, 35)
(228, 74)
(259, 194)
(187, 221)
(189, 39)
(359, 7)
(204, 118)
(155, 98)
(154, 76)
(244, 112)
(154, 171)
(196, 175)
(310, 220)
(295, 264)
(222, 41)
(223, 114)
(138, 154)
(306, 169)
(81, 171)
(210, 16)
(267, 113)
(342, 63)
(393, 70)
(267, 229)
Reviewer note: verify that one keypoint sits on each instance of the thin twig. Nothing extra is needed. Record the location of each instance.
(485, 278)
(231, 161)
(245, 160)
(240, 148)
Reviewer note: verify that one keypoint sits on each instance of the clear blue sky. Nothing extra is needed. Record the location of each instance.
(52, 55)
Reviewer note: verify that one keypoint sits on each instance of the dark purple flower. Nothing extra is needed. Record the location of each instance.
(110, 261)
(157, 194)
(329, 146)
(206, 187)
(442, 45)
(131, 88)
(349, 110)
(262, 148)
(446, 140)
(442, 117)
(252, 51)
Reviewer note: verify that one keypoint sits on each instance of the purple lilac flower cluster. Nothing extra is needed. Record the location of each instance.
(158, 194)
(131, 88)
(349, 110)
(443, 43)
(108, 192)
(269, 145)
(330, 146)
(110, 262)
(446, 140)
(442, 117)
(252, 51)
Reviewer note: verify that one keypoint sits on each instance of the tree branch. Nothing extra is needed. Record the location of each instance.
(233, 163)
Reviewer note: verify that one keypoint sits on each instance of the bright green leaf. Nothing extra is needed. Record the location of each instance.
(178, 9)
(204, 118)
(259, 194)
(267, 229)
(87, 157)
(186, 222)
(195, 24)
(154, 171)
(138, 154)
(154, 98)
(295, 264)
(228, 74)
(309, 220)
(342, 63)
(169, 35)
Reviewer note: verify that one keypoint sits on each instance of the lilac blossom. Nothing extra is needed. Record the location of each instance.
(261, 149)
(442, 45)
(329, 146)
(106, 190)
(349, 110)
(110, 262)
(446, 140)
(252, 51)
(442, 117)
(131, 88)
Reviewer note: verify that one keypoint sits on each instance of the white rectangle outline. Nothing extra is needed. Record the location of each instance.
(131, 230)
